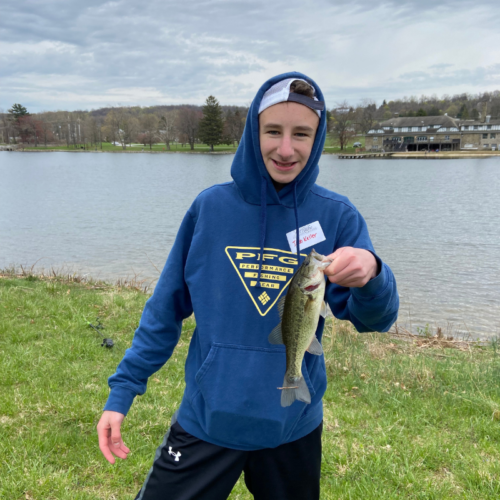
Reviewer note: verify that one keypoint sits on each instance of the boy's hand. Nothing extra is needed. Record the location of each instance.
(110, 439)
(351, 267)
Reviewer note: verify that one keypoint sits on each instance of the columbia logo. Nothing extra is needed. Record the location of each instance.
(264, 298)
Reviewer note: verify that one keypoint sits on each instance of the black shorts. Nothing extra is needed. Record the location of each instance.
(187, 468)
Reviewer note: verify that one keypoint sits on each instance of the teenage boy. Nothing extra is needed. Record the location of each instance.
(232, 260)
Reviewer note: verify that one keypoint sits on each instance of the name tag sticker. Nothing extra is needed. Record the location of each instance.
(309, 235)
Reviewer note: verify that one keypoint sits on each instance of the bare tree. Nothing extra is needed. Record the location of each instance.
(235, 124)
(149, 125)
(342, 123)
(168, 129)
(365, 115)
(187, 124)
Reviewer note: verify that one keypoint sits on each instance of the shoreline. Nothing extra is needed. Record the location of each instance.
(343, 155)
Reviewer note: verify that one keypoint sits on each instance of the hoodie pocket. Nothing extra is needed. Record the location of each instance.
(239, 401)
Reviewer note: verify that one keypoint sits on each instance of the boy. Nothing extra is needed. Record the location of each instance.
(233, 258)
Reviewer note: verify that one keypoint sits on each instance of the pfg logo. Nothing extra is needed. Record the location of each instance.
(278, 267)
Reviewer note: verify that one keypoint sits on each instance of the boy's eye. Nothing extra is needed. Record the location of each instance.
(273, 132)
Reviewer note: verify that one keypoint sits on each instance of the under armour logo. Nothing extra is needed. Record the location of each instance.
(176, 455)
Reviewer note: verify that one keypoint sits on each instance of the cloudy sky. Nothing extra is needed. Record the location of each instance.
(66, 54)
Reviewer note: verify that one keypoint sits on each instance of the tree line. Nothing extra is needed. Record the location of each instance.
(213, 124)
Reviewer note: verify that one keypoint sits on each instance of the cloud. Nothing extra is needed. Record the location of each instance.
(68, 55)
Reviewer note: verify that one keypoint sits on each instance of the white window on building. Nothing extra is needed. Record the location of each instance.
(453, 129)
(404, 129)
(485, 136)
(446, 137)
(422, 138)
(371, 131)
(375, 139)
(488, 127)
(486, 145)
(476, 127)
(415, 129)
(444, 129)
(396, 129)
(493, 136)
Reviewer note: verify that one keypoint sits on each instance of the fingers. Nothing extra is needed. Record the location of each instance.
(351, 267)
(104, 444)
(110, 439)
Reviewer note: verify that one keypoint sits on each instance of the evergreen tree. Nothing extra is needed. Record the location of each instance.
(17, 111)
(463, 114)
(212, 124)
(421, 112)
(475, 114)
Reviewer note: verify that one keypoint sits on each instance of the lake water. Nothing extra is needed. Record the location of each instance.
(436, 223)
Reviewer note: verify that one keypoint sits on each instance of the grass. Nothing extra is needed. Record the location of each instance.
(402, 420)
(330, 147)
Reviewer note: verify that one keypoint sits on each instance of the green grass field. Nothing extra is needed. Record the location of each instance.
(401, 420)
(330, 147)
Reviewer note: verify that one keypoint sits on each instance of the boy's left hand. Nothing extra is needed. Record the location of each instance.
(351, 267)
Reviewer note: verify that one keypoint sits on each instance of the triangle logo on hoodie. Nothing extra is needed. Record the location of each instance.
(278, 268)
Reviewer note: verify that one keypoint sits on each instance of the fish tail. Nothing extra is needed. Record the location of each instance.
(294, 389)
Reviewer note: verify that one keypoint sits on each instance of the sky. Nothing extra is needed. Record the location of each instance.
(74, 55)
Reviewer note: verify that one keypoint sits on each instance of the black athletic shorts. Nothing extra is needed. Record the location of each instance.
(187, 468)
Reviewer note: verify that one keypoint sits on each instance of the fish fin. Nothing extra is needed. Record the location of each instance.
(281, 306)
(324, 309)
(315, 347)
(276, 337)
(300, 392)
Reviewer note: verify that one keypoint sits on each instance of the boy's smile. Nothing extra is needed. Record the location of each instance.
(286, 132)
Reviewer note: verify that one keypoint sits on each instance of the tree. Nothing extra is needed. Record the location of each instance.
(168, 130)
(17, 111)
(149, 125)
(463, 114)
(212, 124)
(234, 125)
(342, 123)
(365, 115)
(188, 121)
(421, 112)
(475, 114)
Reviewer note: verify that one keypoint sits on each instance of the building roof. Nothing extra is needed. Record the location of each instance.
(478, 122)
(418, 121)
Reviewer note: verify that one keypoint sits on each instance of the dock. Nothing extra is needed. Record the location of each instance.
(360, 156)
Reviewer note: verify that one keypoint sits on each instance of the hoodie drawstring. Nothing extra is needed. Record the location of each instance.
(297, 239)
(263, 223)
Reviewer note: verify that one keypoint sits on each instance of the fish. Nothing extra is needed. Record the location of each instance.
(299, 312)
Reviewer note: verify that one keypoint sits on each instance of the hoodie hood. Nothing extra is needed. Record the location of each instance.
(248, 169)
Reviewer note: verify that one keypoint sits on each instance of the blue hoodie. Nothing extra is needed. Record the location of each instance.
(230, 264)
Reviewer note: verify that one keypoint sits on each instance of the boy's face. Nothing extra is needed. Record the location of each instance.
(286, 132)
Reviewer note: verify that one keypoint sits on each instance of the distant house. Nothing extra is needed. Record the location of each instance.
(431, 133)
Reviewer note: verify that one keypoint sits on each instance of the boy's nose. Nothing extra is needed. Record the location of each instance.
(285, 149)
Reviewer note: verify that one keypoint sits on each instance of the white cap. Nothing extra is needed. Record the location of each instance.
(280, 92)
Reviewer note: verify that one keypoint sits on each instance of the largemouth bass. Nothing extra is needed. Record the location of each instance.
(299, 311)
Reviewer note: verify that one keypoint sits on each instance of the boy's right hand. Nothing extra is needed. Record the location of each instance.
(110, 439)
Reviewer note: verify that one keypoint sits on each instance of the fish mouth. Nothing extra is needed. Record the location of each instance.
(311, 288)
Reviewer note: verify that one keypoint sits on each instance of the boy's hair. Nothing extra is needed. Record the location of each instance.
(301, 87)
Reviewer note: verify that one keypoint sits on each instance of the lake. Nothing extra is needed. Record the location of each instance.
(435, 222)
